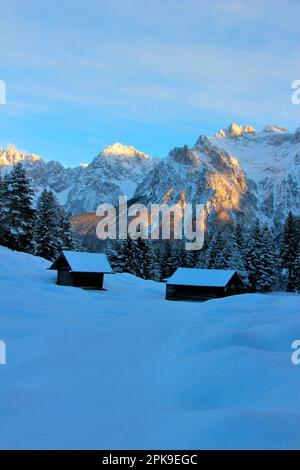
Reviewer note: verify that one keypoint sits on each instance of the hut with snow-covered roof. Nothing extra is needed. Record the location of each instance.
(80, 269)
(203, 284)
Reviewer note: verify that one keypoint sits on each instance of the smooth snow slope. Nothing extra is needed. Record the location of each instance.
(127, 369)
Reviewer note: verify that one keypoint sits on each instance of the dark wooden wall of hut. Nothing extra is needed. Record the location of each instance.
(92, 280)
(64, 277)
(89, 280)
(174, 292)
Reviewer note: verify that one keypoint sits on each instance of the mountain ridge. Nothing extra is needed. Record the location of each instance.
(239, 173)
(115, 171)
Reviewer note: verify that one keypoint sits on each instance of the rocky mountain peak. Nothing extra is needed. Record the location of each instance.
(11, 156)
(274, 128)
(182, 155)
(236, 130)
(120, 150)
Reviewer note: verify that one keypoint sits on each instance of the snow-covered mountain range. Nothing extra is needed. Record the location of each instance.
(238, 173)
(117, 170)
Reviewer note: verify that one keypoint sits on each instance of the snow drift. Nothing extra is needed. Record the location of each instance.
(125, 368)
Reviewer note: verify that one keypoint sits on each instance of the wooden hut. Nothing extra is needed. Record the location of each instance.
(203, 284)
(79, 269)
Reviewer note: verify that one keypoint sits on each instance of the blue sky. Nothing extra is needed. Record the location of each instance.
(81, 75)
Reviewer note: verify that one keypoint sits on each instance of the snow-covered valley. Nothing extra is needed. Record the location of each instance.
(126, 369)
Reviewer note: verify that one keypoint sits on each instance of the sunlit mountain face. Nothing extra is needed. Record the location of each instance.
(238, 174)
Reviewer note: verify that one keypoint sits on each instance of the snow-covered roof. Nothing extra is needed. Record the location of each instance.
(87, 262)
(201, 277)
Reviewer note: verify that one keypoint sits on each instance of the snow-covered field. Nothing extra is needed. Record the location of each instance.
(127, 369)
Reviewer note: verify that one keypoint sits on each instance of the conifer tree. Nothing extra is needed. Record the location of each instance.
(267, 277)
(66, 237)
(130, 257)
(178, 254)
(191, 258)
(167, 266)
(297, 269)
(201, 261)
(202, 256)
(145, 265)
(4, 213)
(222, 253)
(115, 253)
(214, 259)
(20, 213)
(232, 255)
(288, 247)
(47, 232)
(154, 255)
(254, 257)
(242, 240)
(52, 232)
(136, 257)
(158, 252)
(239, 236)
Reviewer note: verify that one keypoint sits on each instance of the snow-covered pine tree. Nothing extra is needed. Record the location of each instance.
(178, 254)
(231, 255)
(136, 257)
(288, 247)
(116, 255)
(223, 250)
(154, 261)
(76, 242)
(130, 257)
(191, 258)
(52, 232)
(297, 269)
(197, 256)
(4, 222)
(146, 265)
(202, 256)
(202, 259)
(20, 213)
(66, 237)
(267, 276)
(47, 232)
(215, 249)
(157, 249)
(242, 240)
(239, 236)
(167, 260)
(254, 257)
